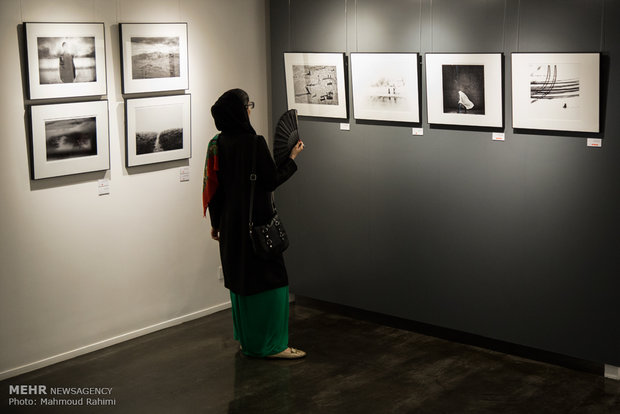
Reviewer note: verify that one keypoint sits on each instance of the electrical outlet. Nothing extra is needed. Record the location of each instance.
(220, 274)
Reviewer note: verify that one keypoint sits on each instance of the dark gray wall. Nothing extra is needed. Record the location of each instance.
(517, 240)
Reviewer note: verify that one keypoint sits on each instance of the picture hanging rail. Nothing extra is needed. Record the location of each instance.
(65, 59)
(465, 89)
(385, 86)
(316, 84)
(556, 91)
(154, 57)
(158, 129)
(69, 138)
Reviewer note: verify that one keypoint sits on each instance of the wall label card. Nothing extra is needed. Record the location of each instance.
(595, 142)
(103, 187)
(184, 174)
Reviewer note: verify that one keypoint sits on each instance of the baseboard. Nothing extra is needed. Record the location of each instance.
(460, 337)
(111, 341)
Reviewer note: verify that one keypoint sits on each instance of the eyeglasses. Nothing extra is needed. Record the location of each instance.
(250, 105)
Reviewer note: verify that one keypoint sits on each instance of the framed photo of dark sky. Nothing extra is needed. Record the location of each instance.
(556, 91)
(154, 57)
(158, 129)
(464, 89)
(65, 59)
(69, 138)
(315, 84)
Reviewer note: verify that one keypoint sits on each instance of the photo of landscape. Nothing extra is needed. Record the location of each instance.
(155, 57)
(70, 138)
(159, 128)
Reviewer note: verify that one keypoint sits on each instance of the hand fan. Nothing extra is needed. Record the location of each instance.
(286, 136)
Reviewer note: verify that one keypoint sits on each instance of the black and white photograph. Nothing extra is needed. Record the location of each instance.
(556, 91)
(385, 86)
(154, 57)
(65, 59)
(69, 138)
(465, 89)
(158, 129)
(315, 84)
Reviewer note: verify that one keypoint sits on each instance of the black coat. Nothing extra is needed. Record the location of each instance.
(244, 272)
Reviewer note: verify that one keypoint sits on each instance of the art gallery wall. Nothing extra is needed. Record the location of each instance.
(515, 241)
(82, 271)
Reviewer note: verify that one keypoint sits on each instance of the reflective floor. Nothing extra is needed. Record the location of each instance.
(353, 366)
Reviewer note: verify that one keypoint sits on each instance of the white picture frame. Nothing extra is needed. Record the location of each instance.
(316, 84)
(556, 91)
(154, 57)
(385, 86)
(70, 138)
(465, 89)
(158, 129)
(65, 59)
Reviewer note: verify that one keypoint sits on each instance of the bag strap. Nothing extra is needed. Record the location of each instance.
(252, 183)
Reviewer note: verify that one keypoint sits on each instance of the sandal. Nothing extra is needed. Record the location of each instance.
(288, 353)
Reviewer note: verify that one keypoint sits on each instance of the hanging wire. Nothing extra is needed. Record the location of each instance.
(602, 26)
(518, 24)
(504, 28)
(431, 17)
(356, 37)
(420, 26)
(346, 28)
(290, 26)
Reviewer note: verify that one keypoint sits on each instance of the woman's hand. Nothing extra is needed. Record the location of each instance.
(297, 149)
(215, 234)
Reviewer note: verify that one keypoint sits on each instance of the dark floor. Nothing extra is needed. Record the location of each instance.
(353, 366)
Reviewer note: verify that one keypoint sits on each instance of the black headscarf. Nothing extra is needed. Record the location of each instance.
(230, 114)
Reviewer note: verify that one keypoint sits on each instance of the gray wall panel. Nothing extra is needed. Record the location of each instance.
(318, 26)
(512, 240)
(467, 26)
(388, 26)
(566, 25)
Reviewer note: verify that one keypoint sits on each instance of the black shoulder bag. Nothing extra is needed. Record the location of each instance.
(268, 240)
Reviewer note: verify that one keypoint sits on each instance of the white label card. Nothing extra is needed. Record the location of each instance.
(184, 174)
(595, 142)
(103, 187)
(417, 131)
(499, 136)
(345, 127)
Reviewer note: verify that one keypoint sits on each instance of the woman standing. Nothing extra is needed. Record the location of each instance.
(66, 65)
(258, 287)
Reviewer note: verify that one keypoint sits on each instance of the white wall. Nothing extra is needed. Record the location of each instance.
(81, 271)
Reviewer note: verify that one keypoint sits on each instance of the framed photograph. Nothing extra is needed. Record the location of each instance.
(69, 138)
(154, 57)
(315, 84)
(158, 129)
(465, 89)
(385, 86)
(65, 59)
(556, 91)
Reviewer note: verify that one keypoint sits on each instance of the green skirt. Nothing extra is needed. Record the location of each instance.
(260, 322)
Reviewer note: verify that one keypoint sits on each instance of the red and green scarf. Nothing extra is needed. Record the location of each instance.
(210, 183)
